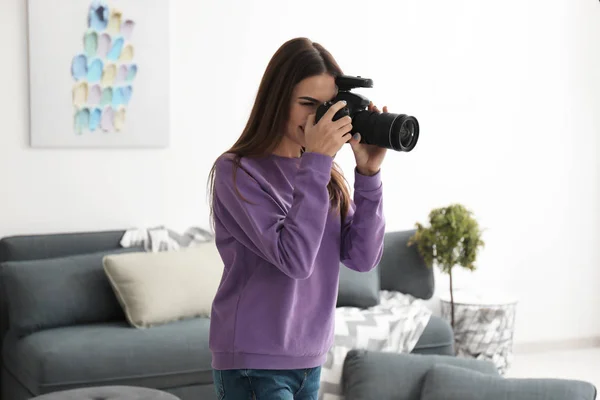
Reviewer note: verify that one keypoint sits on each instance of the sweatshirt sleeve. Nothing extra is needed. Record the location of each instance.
(290, 241)
(364, 228)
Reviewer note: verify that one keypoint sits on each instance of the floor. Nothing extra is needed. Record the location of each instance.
(581, 364)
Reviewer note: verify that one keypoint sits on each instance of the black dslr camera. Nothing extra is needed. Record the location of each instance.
(398, 132)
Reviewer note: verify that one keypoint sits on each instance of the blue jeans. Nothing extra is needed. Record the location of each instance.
(261, 384)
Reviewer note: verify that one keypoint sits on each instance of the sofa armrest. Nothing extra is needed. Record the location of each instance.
(371, 375)
(445, 382)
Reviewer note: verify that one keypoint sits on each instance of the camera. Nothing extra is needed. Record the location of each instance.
(398, 132)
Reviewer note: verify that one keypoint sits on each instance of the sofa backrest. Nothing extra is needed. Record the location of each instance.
(402, 268)
(35, 247)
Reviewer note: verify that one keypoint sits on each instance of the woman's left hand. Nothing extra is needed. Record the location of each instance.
(368, 157)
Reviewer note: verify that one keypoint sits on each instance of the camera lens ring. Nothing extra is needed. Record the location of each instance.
(397, 132)
(403, 120)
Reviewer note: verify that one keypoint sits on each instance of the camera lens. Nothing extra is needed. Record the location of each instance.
(404, 133)
(398, 132)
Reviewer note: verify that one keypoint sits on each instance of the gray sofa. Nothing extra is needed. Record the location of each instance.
(57, 336)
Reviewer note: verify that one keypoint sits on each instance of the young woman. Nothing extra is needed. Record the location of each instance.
(284, 221)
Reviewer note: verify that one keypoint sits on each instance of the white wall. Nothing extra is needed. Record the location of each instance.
(507, 95)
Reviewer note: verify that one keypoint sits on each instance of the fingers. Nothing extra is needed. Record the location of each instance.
(355, 139)
(343, 122)
(310, 120)
(344, 131)
(334, 109)
(374, 108)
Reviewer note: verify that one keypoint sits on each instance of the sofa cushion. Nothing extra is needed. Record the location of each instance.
(63, 291)
(445, 382)
(159, 287)
(371, 375)
(166, 356)
(358, 289)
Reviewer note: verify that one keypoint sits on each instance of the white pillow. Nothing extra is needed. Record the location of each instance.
(161, 287)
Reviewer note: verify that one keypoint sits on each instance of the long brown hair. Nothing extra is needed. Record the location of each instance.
(294, 61)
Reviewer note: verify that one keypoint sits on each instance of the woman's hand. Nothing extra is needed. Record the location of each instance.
(368, 157)
(327, 136)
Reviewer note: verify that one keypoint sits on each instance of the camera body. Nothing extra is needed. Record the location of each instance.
(354, 102)
(398, 132)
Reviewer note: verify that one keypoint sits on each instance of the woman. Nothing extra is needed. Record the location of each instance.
(284, 221)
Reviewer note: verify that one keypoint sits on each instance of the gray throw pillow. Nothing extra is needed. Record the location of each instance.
(358, 289)
(444, 382)
(54, 292)
(369, 375)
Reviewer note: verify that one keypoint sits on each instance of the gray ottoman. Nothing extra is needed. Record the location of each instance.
(109, 393)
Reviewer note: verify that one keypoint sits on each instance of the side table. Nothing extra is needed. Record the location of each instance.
(484, 324)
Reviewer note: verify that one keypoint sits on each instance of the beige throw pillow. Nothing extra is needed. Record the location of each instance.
(161, 287)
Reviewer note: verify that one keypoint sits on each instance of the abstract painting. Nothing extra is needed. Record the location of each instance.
(99, 73)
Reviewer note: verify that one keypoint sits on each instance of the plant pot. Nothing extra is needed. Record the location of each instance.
(483, 325)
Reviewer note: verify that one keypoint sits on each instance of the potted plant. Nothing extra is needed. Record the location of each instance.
(452, 239)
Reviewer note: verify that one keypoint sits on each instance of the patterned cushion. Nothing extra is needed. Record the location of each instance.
(395, 325)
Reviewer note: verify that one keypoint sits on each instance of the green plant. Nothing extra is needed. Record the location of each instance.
(453, 238)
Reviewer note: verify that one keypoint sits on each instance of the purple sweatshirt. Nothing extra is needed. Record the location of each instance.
(282, 248)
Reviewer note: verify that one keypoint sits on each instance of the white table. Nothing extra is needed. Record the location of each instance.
(484, 323)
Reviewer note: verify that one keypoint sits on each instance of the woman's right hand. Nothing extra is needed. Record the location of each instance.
(327, 136)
